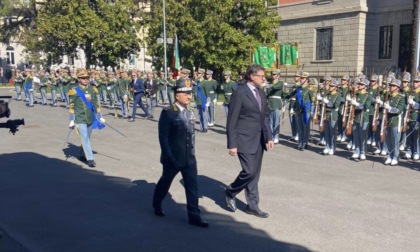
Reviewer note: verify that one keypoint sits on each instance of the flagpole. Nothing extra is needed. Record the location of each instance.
(164, 45)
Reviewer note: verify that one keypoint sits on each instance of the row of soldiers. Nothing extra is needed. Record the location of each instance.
(380, 111)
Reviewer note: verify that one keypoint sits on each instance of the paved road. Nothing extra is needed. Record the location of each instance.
(52, 202)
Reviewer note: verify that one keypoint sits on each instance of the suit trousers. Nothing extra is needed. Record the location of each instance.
(248, 178)
(137, 100)
(189, 176)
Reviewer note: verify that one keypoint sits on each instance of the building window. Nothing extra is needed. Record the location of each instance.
(385, 42)
(10, 55)
(324, 43)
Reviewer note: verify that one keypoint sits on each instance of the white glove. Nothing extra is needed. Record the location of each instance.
(410, 100)
(318, 97)
(108, 88)
(283, 109)
(379, 101)
(207, 104)
(354, 102)
(348, 98)
(71, 125)
(325, 100)
(287, 84)
(386, 106)
(102, 120)
(31, 90)
(292, 111)
(214, 101)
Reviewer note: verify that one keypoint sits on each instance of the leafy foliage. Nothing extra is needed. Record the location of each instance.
(212, 34)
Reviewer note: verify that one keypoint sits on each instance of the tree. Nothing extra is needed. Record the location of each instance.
(105, 29)
(219, 37)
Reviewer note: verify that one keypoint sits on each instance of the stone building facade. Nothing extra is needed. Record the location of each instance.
(343, 36)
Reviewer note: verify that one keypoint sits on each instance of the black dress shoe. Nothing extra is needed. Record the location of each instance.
(204, 131)
(306, 146)
(159, 212)
(91, 163)
(199, 223)
(256, 212)
(231, 202)
(82, 158)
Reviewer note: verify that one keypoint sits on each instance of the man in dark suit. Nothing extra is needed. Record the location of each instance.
(137, 87)
(177, 143)
(151, 92)
(248, 135)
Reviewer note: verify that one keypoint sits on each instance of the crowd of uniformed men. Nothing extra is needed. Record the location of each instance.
(377, 111)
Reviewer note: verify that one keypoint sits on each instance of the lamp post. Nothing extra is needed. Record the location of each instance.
(165, 41)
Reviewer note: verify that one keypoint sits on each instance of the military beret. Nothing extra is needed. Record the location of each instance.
(304, 75)
(406, 77)
(276, 71)
(185, 71)
(345, 77)
(82, 73)
(183, 86)
(209, 71)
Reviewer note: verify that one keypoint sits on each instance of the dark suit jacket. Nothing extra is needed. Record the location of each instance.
(177, 137)
(138, 86)
(152, 89)
(247, 126)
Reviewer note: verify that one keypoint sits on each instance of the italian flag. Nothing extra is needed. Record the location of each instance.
(175, 59)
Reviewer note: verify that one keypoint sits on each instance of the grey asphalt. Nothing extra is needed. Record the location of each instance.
(50, 201)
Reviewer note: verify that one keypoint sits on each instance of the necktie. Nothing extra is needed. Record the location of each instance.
(184, 113)
(258, 97)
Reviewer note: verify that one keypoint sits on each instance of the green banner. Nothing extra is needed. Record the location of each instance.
(265, 56)
(289, 54)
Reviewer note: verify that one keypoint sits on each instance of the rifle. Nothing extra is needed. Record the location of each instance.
(323, 114)
(384, 116)
(408, 109)
(345, 109)
(377, 106)
(316, 119)
(349, 129)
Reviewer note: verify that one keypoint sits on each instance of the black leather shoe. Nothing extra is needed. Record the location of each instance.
(231, 202)
(199, 223)
(159, 212)
(91, 163)
(204, 131)
(82, 158)
(256, 212)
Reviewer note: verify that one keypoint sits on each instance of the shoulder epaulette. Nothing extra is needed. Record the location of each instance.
(175, 107)
(72, 91)
(95, 90)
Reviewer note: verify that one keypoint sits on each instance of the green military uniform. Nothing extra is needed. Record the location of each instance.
(53, 81)
(18, 82)
(227, 89)
(332, 103)
(274, 97)
(303, 95)
(83, 114)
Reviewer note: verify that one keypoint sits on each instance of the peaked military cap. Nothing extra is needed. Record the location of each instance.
(417, 77)
(185, 71)
(345, 77)
(209, 71)
(82, 73)
(374, 77)
(328, 77)
(201, 70)
(227, 73)
(304, 75)
(183, 86)
(406, 77)
(395, 82)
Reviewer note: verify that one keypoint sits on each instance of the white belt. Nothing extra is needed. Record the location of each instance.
(228, 94)
(293, 99)
(275, 97)
(211, 92)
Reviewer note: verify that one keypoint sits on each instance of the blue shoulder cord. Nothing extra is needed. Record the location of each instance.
(96, 123)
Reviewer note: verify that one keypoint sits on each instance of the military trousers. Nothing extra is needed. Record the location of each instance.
(359, 137)
(18, 93)
(211, 113)
(302, 129)
(274, 117)
(43, 91)
(413, 139)
(189, 177)
(85, 131)
(202, 117)
(380, 145)
(392, 141)
(330, 134)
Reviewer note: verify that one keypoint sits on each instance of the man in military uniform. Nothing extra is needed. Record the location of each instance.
(66, 80)
(18, 82)
(373, 92)
(170, 85)
(162, 87)
(227, 89)
(405, 91)
(177, 142)
(43, 86)
(102, 83)
(85, 114)
(361, 105)
(413, 145)
(52, 81)
(381, 147)
(201, 100)
(330, 105)
(274, 96)
(29, 88)
(151, 86)
(302, 110)
(343, 90)
(209, 90)
(395, 108)
(292, 101)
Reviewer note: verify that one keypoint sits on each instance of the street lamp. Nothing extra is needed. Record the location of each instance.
(165, 41)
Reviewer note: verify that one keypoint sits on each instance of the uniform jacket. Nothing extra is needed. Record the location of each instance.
(177, 137)
(227, 89)
(274, 95)
(361, 113)
(82, 113)
(246, 123)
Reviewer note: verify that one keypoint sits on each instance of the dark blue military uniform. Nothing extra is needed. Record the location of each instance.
(177, 142)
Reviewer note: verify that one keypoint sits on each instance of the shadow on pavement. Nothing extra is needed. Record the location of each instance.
(49, 204)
